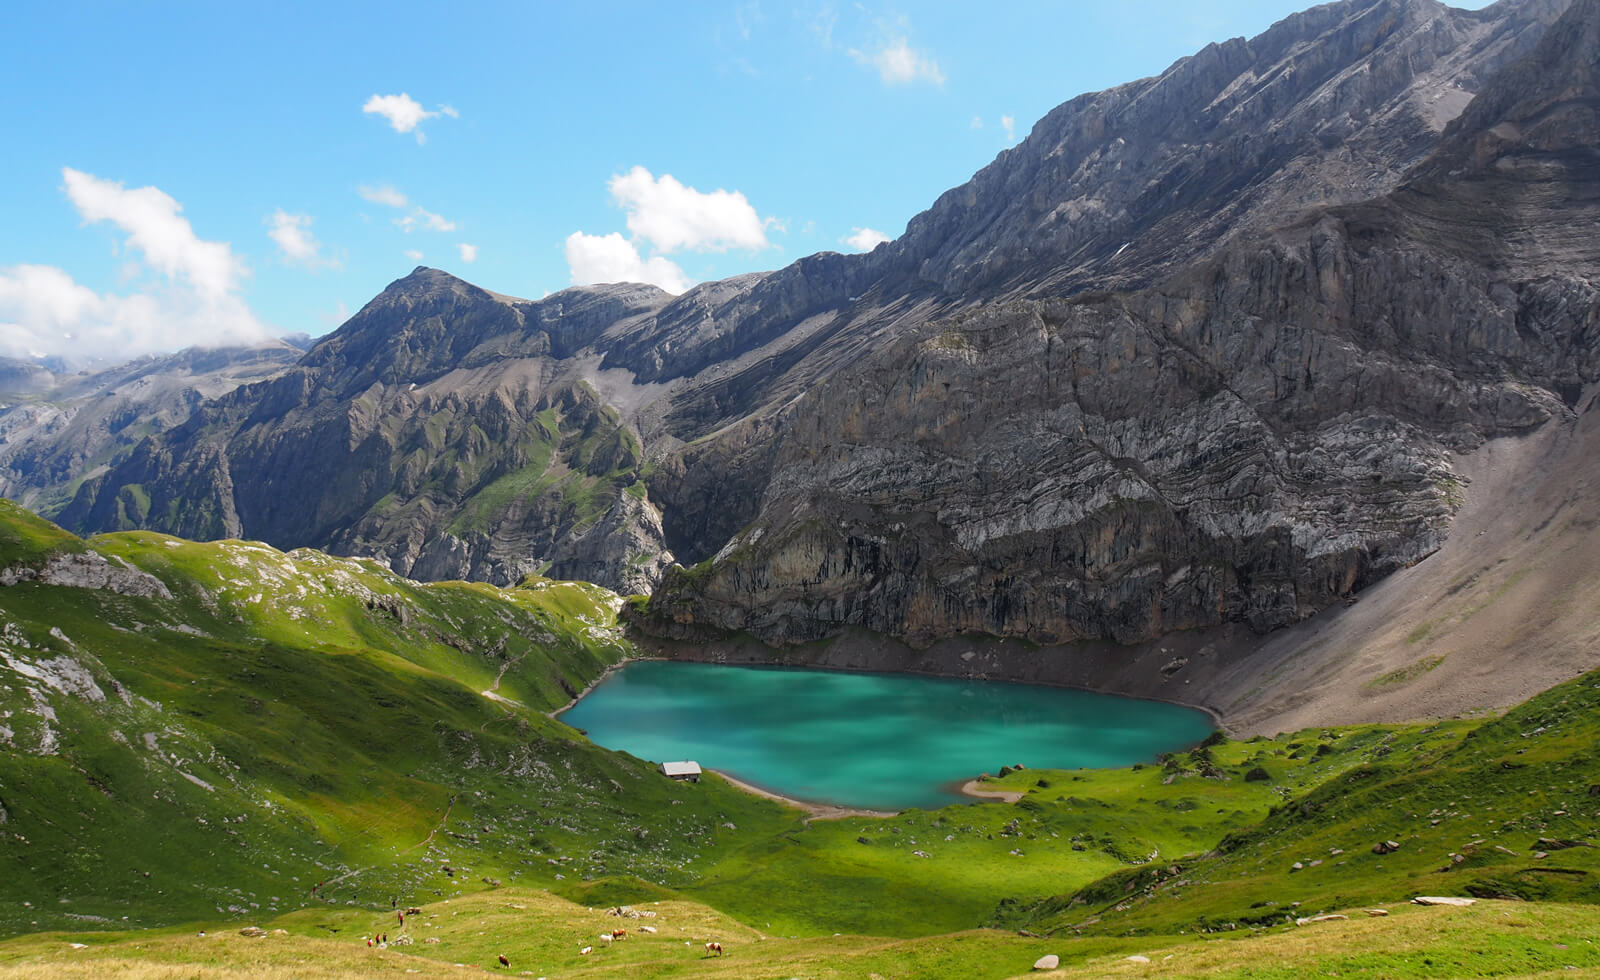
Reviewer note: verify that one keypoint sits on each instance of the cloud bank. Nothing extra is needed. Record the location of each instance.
(188, 288)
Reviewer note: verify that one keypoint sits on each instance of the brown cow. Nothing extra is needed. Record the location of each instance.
(619, 934)
(713, 947)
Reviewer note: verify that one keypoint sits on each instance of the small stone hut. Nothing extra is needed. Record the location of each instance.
(682, 770)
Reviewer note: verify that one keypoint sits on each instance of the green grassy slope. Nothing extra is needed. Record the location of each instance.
(286, 720)
(1508, 808)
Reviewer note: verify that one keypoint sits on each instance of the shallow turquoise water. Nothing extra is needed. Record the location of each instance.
(880, 741)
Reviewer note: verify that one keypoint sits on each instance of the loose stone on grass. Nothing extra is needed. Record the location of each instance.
(1308, 920)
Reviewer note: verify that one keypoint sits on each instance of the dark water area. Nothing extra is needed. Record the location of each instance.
(876, 741)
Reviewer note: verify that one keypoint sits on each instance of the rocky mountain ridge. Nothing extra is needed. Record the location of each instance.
(1188, 355)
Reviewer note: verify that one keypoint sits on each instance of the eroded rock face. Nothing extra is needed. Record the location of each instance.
(1248, 441)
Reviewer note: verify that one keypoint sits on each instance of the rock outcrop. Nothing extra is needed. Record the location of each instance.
(88, 570)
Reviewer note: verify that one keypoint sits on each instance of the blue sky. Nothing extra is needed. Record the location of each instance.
(199, 173)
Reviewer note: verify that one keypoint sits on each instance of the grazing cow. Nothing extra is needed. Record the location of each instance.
(619, 934)
(713, 947)
(503, 961)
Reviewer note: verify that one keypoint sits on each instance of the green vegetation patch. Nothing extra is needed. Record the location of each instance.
(1409, 672)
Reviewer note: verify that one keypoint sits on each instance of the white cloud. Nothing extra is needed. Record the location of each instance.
(669, 217)
(469, 253)
(385, 195)
(900, 64)
(1009, 124)
(412, 254)
(43, 312)
(405, 114)
(426, 220)
(672, 217)
(612, 258)
(292, 233)
(419, 217)
(155, 227)
(186, 288)
(977, 122)
(865, 239)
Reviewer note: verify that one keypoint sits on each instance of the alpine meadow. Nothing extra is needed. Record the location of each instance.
(1259, 397)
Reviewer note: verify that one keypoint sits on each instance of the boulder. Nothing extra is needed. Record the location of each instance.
(253, 932)
(1049, 962)
(1308, 920)
(1558, 844)
(1442, 900)
(1386, 847)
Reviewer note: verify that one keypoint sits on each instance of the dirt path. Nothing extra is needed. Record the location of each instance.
(442, 821)
(971, 788)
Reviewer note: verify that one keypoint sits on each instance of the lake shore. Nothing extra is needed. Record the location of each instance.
(817, 811)
(856, 651)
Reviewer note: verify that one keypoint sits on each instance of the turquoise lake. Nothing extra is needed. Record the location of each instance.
(877, 741)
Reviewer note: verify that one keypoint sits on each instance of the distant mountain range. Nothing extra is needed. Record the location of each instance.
(1204, 350)
(62, 422)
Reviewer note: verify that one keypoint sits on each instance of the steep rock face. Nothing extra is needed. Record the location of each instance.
(1329, 106)
(1112, 190)
(1248, 441)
